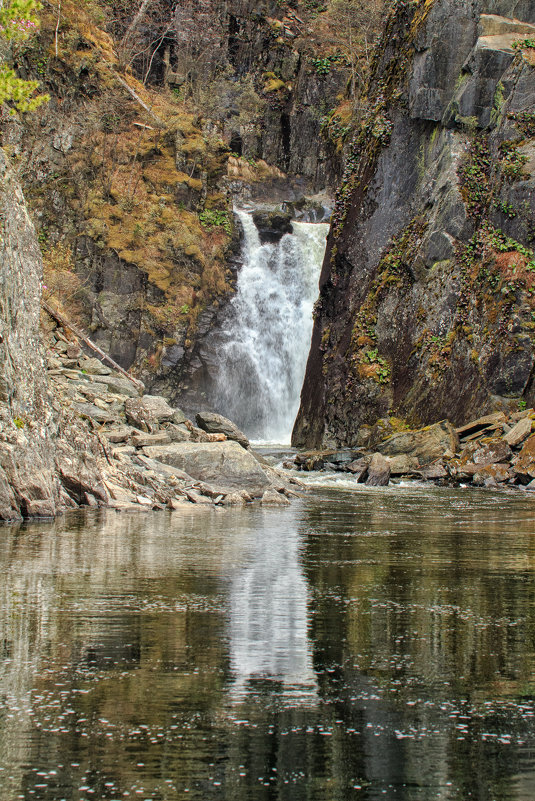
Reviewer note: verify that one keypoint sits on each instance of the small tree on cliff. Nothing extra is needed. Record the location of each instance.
(18, 21)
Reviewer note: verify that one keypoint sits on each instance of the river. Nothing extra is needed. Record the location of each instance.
(364, 644)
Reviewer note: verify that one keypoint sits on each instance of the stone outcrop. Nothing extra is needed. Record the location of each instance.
(492, 451)
(79, 433)
(27, 484)
(217, 424)
(427, 445)
(427, 291)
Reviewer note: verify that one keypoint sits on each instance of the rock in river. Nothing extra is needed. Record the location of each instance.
(426, 444)
(224, 464)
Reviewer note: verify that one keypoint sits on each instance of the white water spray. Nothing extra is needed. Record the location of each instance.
(266, 337)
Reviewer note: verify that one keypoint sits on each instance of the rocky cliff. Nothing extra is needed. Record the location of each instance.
(427, 295)
(26, 463)
(131, 168)
(74, 432)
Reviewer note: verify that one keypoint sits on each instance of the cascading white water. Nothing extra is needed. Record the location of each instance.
(266, 337)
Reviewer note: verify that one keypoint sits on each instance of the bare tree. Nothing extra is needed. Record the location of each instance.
(200, 31)
(354, 24)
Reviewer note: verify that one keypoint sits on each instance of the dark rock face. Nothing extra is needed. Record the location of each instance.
(426, 295)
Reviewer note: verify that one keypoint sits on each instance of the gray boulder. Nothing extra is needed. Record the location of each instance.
(378, 471)
(217, 424)
(226, 465)
(147, 412)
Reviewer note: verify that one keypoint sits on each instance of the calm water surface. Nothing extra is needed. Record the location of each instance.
(357, 645)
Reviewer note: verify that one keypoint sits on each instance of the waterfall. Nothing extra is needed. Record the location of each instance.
(264, 343)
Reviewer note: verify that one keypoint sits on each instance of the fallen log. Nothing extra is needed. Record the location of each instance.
(62, 320)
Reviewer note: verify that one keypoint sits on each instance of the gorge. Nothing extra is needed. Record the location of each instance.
(226, 216)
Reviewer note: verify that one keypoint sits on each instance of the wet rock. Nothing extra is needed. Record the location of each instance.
(274, 498)
(519, 432)
(313, 460)
(225, 465)
(217, 424)
(426, 444)
(378, 471)
(272, 225)
(359, 467)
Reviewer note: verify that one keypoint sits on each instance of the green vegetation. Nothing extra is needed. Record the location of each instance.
(18, 22)
(524, 44)
(214, 218)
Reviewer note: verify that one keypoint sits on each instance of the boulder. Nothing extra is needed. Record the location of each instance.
(147, 412)
(492, 452)
(94, 413)
(214, 423)
(226, 465)
(359, 467)
(378, 471)
(176, 433)
(492, 474)
(425, 444)
(524, 463)
(94, 367)
(119, 385)
(274, 498)
(402, 465)
(519, 432)
(234, 499)
(272, 225)
(433, 472)
(118, 433)
(478, 427)
(141, 440)
(312, 460)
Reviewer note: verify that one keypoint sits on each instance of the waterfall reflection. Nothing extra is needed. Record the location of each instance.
(268, 613)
